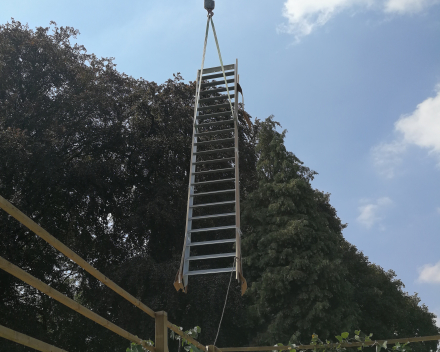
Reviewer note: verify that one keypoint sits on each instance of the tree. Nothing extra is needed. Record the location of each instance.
(292, 250)
(100, 160)
(305, 277)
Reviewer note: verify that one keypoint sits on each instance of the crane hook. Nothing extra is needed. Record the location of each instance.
(209, 6)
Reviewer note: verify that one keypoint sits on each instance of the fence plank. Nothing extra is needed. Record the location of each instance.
(28, 341)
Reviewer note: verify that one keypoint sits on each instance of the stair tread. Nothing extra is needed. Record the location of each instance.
(214, 192)
(217, 90)
(209, 133)
(211, 271)
(214, 171)
(207, 229)
(215, 123)
(213, 181)
(215, 141)
(212, 107)
(213, 151)
(212, 161)
(212, 204)
(217, 75)
(215, 114)
(217, 83)
(218, 97)
(212, 216)
(212, 256)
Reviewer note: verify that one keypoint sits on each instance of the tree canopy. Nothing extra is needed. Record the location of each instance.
(100, 159)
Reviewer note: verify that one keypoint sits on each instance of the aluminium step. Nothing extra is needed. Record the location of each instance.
(210, 133)
(209, 243)
(208, 229)
(214, 171)
(214, 115)
(214, 192)
(212, 216)
(213, 161)
(217, 90)
(216, 107)
(219, 69)
(217, 83)
(213, 182)
(215, 123)
(218, 97)
(212, 256)
(213, 151)
(217, 75)
(211, 271)
(215, 141)
(212, 204)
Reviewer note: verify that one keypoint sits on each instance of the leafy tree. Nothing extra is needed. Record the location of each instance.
(100, 160)
(384, 306)
(305, 278)
(292, 250)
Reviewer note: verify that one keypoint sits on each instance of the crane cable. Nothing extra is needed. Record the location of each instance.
(203, 63)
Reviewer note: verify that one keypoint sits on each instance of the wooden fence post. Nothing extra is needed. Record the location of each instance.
(161, 339)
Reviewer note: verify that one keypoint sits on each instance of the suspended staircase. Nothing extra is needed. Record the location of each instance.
(212, 236)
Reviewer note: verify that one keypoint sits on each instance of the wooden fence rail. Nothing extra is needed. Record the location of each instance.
(51, 292)
(37, 229)
(27, 340)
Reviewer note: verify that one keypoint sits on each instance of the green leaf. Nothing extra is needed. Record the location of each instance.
(339, 338)
(345, 335)
(199, 330)
(357, 332)
(384, 345)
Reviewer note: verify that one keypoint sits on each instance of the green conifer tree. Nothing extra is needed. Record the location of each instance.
(292, 250)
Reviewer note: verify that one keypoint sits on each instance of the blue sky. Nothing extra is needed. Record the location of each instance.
(355, 82)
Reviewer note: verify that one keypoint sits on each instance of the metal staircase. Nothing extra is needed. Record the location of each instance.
(212, 235)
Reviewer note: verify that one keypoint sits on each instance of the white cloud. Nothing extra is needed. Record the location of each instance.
(303, 16)
(387, 156)
(408, 6)
(371, 213)
(421, 129)
(430, 273)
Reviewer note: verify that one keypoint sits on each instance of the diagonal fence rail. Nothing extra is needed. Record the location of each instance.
(27, 340)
